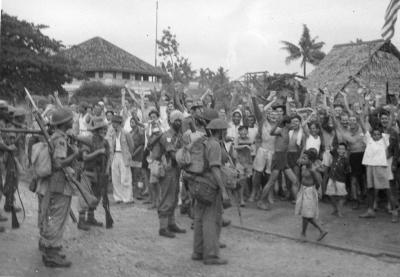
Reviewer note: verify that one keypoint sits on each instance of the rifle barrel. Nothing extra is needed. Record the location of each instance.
(17, 130)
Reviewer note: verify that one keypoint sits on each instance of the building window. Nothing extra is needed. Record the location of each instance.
(145, 78)
(101, 74)
(137, 77)
(115, 75)
(125, 75)
(90, 74)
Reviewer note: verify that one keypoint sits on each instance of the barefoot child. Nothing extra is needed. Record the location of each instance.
(336, 188)
(307, 198)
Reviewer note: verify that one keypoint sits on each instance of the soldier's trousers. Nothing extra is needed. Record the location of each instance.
(55, 208)
(169, 190)
(207, 228)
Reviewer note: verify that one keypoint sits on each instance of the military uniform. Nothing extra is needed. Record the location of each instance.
(93, 171)
(56, 202)
(170, 142)
(208, 218)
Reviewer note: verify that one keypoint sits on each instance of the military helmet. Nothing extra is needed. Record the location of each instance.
(217, 124)
(61, 116)
(209, 114)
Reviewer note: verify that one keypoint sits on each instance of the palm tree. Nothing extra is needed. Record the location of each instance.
(308, 50)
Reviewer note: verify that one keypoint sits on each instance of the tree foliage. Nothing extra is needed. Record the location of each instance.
(29, 59)
(308, 50)
(179, 68)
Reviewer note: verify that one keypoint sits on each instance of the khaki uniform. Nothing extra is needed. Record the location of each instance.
(208, 219)
(170, 142)
(56, 202)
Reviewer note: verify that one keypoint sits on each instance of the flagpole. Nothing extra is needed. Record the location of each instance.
(155, 46)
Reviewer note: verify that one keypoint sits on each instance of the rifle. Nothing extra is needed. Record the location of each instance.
(39, 119)
(102, 182)
(39, 132)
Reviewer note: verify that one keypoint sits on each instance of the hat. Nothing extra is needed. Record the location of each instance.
(237, 111)
(3, 105)
(97, 123)
(19, 112)
(218, 124)
(61, 116)
(209, 114)
(155, 112)
(175, 115)
(117, 119)
(101, 103)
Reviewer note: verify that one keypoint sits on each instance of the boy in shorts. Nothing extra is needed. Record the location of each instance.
(279, 160)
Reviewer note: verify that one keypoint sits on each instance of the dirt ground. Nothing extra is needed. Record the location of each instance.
(133, 248)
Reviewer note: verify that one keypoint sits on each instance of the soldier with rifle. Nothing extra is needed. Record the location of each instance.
(56, 202)
(96, 159)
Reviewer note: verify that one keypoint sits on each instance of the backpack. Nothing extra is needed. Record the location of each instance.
(191, 158)
(41, 160)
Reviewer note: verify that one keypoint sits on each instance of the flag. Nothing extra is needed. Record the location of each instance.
(390, 19)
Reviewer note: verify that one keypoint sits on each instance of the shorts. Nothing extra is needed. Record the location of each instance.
(244, 171)
(263, 160)
(377, 177)
(356, 165)
(336, 188)
(279, 161)
(327, 158)
(292, 158)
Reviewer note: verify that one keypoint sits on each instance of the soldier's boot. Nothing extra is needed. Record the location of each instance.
(92, 221)
(166, 233)
(175, 229)
(82, 225)
(52, 258)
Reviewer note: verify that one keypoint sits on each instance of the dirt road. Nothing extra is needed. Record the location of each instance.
(133, 248)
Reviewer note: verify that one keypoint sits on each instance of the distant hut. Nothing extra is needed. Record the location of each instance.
(372, 65)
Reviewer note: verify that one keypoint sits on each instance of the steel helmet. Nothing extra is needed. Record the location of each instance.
(218, 124)
(61, 116)
(209, 114)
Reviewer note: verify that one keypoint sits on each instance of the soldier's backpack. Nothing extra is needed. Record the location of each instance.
(41, 160)
(191, 157)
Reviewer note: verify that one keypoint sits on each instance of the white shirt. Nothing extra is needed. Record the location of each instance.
(118, 142)
(375, 151)
(83, 126)
(312, 142)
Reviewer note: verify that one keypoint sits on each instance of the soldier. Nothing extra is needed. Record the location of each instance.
(169, 142)
(96, 158)
(208, 218)
(56, 202)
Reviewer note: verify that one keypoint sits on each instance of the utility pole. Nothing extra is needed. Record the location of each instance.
(155, 46)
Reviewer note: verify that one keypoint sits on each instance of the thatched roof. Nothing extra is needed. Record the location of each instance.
(346, 62)
(97, 54)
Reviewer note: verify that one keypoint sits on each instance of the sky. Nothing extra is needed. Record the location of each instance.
(239, 35)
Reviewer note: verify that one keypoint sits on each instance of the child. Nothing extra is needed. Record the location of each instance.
(307, 198)
(243, 150)
(375, 159)
(336, 187)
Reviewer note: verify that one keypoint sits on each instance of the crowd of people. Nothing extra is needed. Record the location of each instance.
(202, 158)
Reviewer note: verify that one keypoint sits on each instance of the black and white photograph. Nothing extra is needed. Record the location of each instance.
(215, 138)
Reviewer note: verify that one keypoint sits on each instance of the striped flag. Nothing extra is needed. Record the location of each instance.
(390, 19)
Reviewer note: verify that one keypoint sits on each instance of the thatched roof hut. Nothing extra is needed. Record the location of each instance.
(99, 55)
(374, 65)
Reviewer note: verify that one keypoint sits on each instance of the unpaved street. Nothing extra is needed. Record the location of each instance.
(133, 248)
